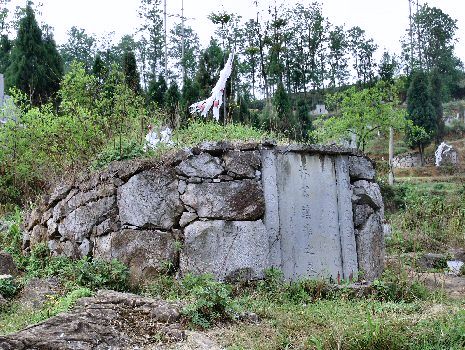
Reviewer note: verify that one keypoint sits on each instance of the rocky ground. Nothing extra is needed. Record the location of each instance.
(111, 320)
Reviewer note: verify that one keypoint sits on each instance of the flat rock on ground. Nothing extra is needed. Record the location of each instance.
(110, 320)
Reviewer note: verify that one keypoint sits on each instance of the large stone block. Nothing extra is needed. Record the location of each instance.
(231, 200)
(230, 250)
(80, 222)
(368, 193)
(360, 168)
(371, 248)
(202, 165)
(242, 164)
(7, 265)
(361, 214)
(146, 253)
(150, 200)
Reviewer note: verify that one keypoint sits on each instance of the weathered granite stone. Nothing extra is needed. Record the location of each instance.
(66, 248)
(38, 234)
(7, 265)
(187, 218)
(182, 186)
(242, 164)
(146, 253)
(203, 165)
(361, 214)
(360, 168)
(80, 222)
(150, 200)
(230, 250)
(233, 200)
(110, 320)
(368, 193)
(38, 291)
(59, 193)
(108, 226)
(85, 248)
(371, 248)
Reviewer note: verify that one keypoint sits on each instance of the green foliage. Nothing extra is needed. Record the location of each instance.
(8, 287)
(92, 274)
(397, 286)
(420, 112)
(362, 113)
(130, 149)
(199, 131)
(131, 74)
(209, 301)
(11, 239)
(434, 216)
(35, 65)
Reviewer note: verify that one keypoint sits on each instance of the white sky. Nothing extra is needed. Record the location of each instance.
(384, 20)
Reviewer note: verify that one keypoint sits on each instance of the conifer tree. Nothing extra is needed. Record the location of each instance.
(35, 64)
(157, 90)
(421, 112)
(282, 104)
(131, 74)
(172, 97)
(436, 88)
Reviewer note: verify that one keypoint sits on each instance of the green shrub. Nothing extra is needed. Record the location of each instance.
(11, 239)
(92, 274)
(209, 301)
(199, 131)
(8, 287)
(396, 286)
(130, 149)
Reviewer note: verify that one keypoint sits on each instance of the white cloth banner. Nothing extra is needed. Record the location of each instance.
(216, 98)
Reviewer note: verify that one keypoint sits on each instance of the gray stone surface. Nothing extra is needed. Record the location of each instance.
(202, 165)
(230, 250)
(150, 200)
(309, 222)
(242, 164)
(368, 193)
(360, 168)
(7, 265)
(38, 291)
(232, 200)
(187, 218)
(345, 218)
(271, 219)
(361, 214)
(146, 253)
(110, 320)
(370, 248)
(80, 222)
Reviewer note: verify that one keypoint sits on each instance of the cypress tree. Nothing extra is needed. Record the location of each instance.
(157, 90)
(5, 49)
(420, 111)
(35, 67)
(131, 75)
(436, 88)
(99, 69)
(172, 97)
(282, 104)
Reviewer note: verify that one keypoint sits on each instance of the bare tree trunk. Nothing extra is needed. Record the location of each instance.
(391, 156)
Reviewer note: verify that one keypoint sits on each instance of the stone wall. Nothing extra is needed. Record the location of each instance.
(230, 209)
(410, 160)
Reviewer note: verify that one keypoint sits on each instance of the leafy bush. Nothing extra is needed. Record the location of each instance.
(199, 131)
(209, 301)
(396, 286)
(8, 287)
(92, 274)
(11, 238)
(130, 149)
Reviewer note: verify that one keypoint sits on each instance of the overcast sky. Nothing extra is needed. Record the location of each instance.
(384, 20)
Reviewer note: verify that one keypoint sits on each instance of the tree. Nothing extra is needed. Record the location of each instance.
(131, 75)
(387, 68)
(434, 38)
(34, 68)
(338, 45)
(285, 122)
(99, 69)
(80, 47)
(361, 113)
(172, 97)
(153, 35)
(421, 113)
(362, 49)
(157, 90)
(188, 63)
(436, 101)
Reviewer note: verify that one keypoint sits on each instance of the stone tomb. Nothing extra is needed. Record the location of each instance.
(229, 209)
